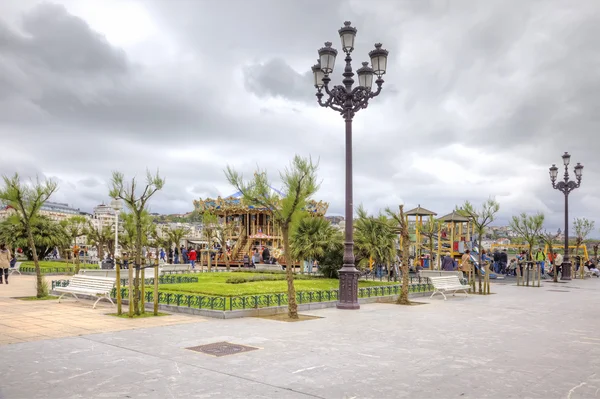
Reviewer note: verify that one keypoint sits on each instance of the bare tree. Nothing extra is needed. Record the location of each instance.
(137, 203)
(481, 218)
(529, 228)
(27, 200)
(430, 229)
(75, 228)
(549, 239)
(300, 183)
(583, 227)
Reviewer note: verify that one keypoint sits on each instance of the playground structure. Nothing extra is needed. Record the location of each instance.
(252, 226)
(453, 234)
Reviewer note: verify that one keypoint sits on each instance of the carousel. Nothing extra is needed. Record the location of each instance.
(251, 227)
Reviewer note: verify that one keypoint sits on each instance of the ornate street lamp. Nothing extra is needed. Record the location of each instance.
(117, 206)
(566, 186)
(348, 101)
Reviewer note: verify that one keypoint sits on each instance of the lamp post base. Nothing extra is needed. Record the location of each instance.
(348, 297)
(565, 271)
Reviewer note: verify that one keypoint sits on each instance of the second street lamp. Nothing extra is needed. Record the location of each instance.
(348, 101)
(566, 186)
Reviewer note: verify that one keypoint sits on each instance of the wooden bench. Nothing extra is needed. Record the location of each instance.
(16, 268)
(448, 284)
(88, 285)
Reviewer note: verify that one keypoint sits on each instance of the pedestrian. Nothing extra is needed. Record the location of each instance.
(246, 261)
(192, 257)
(184, 255)
(448, 262)
(540, 259)
(558, 260)
(162, 256)
(176, 253)
(496, 260)
(503, 260)
(465, 264)
(256, 256)
(266, 255)
(5, 258)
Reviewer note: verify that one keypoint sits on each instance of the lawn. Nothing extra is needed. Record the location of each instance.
(46, 265)
(215, 284)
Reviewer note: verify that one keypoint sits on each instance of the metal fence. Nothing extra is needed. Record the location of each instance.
(229, 303)
(56, 269)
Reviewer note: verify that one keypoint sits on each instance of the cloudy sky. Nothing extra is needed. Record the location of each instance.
(480, 98)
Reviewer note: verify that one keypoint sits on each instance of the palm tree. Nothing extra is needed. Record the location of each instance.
(402, 227)
(75, 228)
(47, 235)
(313, 237)
(375, 239)
(430, 229)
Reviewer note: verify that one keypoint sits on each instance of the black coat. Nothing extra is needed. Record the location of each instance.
(266, 255)
(503, 257)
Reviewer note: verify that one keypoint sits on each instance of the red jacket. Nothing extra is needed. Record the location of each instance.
(192, 255)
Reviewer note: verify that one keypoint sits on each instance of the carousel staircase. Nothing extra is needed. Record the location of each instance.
(241, 244)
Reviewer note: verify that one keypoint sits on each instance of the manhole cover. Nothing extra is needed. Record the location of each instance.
(559, 290)
(219, 349)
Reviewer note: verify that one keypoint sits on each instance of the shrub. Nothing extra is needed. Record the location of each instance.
(276, 277)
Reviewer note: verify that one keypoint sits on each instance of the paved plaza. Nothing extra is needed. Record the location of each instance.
(518, 343)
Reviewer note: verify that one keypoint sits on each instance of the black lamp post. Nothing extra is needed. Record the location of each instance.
(566, 186)
(348, 101)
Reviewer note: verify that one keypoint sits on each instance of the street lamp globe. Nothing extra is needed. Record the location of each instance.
(327, 56)
(553, 172)
(116, 205)
(347, 34)
(379, 60)
(566, 158)
(318, 74)
(578, 170)
(365, 75)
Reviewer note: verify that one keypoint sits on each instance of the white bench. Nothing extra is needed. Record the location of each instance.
(16, 268)
(448, 284)
(168, 268)
(88, 285)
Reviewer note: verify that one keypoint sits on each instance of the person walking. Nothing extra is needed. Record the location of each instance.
(5, 258)
(448, 263)
(558, 260)
(184, 255)
(465, 264)
(540, 259)
(192, 257)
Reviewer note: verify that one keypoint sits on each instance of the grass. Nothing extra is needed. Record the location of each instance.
(215, 284)
(62, 265)
(35, 298)
(141, 316)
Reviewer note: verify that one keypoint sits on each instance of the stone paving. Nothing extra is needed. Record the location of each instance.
(23, 321)
(519, 343)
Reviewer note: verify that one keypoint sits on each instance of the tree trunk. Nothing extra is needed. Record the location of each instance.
(38, 271)
(403, 297)
(431, 254)
(138, 262)
(130, 297)
(77, 264)
(289, 274)
(227, 260)
(142, 291)
(118, 286)
(481, 268)
(156, 285)
(208, 260)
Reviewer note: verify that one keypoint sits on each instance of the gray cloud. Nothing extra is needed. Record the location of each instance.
(479, 100)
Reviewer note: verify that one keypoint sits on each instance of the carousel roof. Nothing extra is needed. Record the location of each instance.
(454, 217)
(418, 211)
(274, 192)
